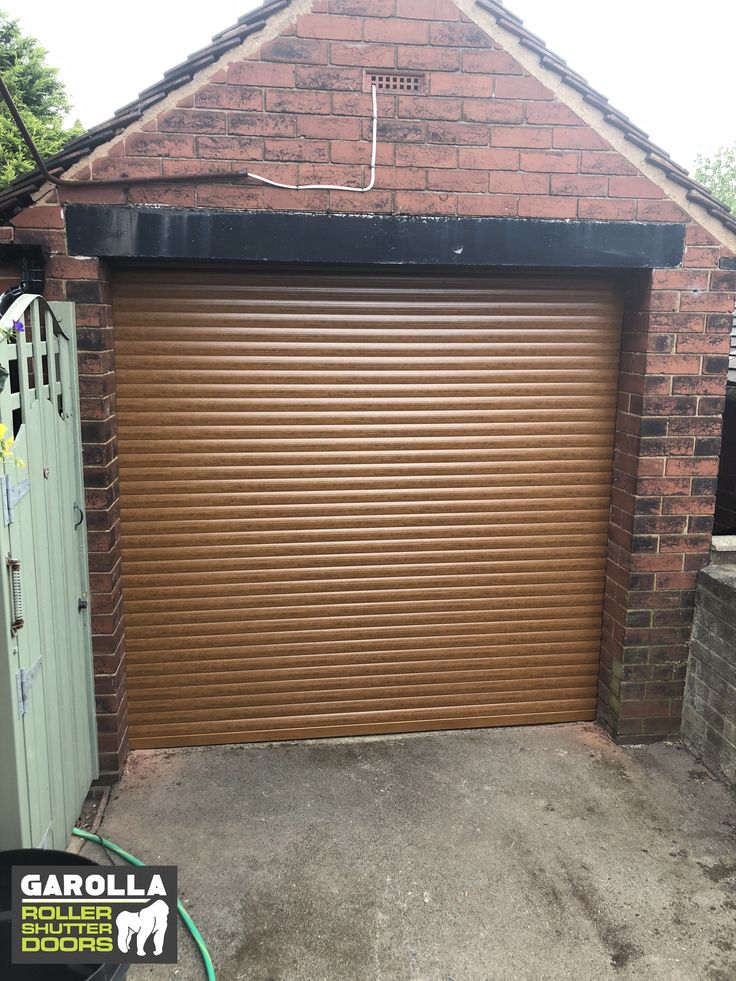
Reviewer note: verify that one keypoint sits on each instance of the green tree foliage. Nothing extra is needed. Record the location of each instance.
(39, 94)
(718, 174)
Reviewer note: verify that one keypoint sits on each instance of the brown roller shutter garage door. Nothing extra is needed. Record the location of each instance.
(361, 503)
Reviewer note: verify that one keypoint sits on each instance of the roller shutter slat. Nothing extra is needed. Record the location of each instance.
(361, 503)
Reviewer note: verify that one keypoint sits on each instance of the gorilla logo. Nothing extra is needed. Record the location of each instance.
(151, 919)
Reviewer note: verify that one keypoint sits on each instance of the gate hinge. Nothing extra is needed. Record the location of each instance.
(23, 681)
(11, 494)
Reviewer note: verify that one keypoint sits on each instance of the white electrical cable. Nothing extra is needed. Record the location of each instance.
(333, 187)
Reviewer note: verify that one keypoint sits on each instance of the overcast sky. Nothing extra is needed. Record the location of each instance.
(668, 64)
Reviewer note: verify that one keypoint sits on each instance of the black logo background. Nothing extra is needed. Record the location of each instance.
(130, 924)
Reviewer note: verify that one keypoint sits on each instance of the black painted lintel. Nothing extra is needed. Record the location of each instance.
(337, 239)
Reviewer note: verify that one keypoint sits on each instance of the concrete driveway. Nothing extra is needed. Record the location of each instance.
(487, 855)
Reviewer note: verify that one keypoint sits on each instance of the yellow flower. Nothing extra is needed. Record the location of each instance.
(6, 447)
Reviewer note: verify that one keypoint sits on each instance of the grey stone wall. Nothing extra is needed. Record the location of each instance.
(709, 712)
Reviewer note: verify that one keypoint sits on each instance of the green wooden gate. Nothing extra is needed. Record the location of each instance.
(48, 755)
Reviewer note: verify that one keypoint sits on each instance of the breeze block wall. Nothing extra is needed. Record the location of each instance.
(482, 137)
(709, 718)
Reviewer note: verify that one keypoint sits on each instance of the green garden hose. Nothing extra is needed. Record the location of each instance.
(186, 918)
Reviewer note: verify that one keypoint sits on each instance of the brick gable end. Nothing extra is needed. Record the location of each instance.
(484, 137)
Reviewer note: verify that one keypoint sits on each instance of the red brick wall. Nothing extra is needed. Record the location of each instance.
(483, 138)
(84, 281)
(671, 399)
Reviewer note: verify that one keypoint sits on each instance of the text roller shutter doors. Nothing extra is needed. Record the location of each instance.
(361, 504)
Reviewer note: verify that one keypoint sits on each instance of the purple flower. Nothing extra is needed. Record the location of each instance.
(18, 326)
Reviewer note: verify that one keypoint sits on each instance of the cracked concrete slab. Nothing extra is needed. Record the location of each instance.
(541, 853)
